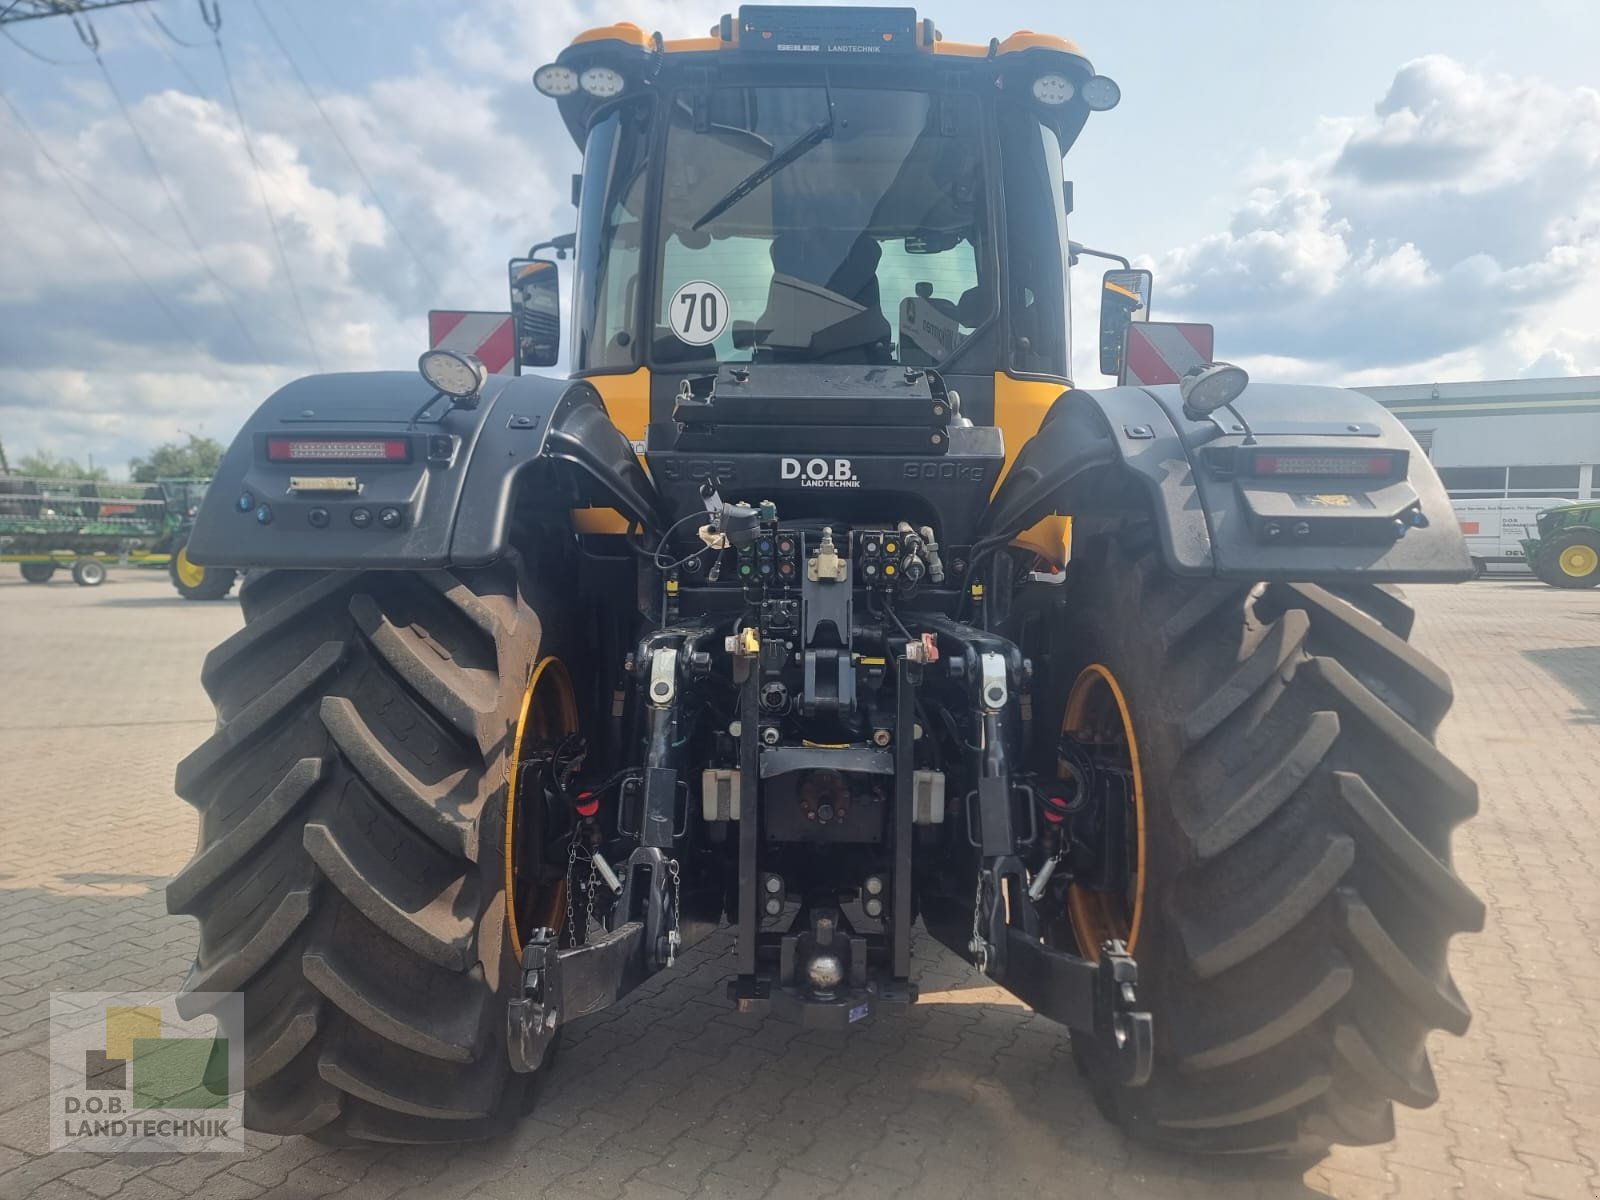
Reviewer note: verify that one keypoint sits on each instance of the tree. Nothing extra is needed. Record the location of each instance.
(199, 458)
(45, 465)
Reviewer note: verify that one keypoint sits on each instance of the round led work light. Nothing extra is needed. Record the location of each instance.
(602, 82)
(555, 80)
(453, 373)
(1208, 388)
(1052, 89)
(1101, 93)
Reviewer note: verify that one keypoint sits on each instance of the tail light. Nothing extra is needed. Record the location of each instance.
(1281, 463)
(304, 450)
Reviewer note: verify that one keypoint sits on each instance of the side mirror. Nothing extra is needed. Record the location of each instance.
(1124, 298)
(536, 311)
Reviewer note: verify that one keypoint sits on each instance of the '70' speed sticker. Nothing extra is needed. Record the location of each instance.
(698, 313)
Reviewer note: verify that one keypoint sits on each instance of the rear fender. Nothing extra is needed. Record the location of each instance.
(454, 489)
(1122, 451)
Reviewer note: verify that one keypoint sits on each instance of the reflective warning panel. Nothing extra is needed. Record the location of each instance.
(1162, 351)
(487, 336)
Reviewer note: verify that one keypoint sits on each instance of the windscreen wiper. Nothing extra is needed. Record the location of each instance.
(802, 145)
(806, 142)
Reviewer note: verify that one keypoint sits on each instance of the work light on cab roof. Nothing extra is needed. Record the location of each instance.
(615, 60)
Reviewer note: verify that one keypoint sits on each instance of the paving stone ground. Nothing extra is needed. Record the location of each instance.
(673, 1095)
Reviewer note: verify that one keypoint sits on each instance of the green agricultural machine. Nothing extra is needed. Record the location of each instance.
(1566, 554)
(84, 525)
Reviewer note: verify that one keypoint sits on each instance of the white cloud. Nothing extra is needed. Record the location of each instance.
(469, 160)
(1454, 227)
(1453, 231)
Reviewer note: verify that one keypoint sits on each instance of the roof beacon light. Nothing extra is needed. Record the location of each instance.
(1052, 89)
(555, 80)
(455, 374)
(602, 82)
(1208, 388)
(1101, 93)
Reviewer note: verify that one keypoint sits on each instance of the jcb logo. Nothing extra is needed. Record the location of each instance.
(819, 472)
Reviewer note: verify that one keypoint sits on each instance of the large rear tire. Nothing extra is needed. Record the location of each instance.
(38, 571)
(1296, 899)
(351, 872)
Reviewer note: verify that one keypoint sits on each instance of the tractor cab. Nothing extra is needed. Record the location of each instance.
(821, 188)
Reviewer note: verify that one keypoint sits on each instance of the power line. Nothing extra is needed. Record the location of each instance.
(213, 21)
(111, 239)
(32, 53)
(162, 25)
(177, 65)
(348, 153)
(93, 42)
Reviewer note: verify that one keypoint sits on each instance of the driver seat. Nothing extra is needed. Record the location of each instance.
(845, 265)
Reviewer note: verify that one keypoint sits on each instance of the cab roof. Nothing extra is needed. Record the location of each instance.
(813, 36)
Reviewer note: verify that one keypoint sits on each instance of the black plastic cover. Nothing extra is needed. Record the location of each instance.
(450, 504)
(1093, 445)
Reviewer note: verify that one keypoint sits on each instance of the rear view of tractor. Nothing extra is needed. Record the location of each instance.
(819, 603)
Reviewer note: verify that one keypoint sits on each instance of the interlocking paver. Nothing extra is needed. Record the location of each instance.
(675, 1094)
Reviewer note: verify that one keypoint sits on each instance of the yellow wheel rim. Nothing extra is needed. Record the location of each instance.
(1097, 714)
(549, 712)
(190, 574)
(1579, 562)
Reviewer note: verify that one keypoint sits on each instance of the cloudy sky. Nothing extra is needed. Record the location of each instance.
(1352, 191)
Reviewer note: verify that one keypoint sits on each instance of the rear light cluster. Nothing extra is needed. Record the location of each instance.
(338, 449)
(1297, 463)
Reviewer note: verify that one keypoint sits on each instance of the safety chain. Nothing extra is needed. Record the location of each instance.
(588, 887)
(674, 936)
(978, 947)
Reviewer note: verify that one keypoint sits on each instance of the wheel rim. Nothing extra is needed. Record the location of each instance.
(1579, 562)
(190, 574)
(549, 713)
(1097, 717)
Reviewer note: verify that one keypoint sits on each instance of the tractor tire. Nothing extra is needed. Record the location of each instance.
(194, 582)
(1296, 899)
(37, 572)
(351, 873)
(1570, 559)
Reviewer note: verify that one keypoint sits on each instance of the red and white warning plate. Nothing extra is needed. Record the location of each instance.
(490, 337)
(1162, 351)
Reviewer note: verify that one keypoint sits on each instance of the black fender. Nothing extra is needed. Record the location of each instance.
(1125, 451)
(445, 497)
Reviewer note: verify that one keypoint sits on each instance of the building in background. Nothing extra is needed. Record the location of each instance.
(1506, 437)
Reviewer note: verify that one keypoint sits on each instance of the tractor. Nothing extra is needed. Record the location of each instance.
(1566, 554)
(815, 600)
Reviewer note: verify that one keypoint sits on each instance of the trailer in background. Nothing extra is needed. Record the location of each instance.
(85, 525)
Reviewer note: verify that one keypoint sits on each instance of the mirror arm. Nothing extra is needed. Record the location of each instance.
(1074, 249)
(562, 244)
